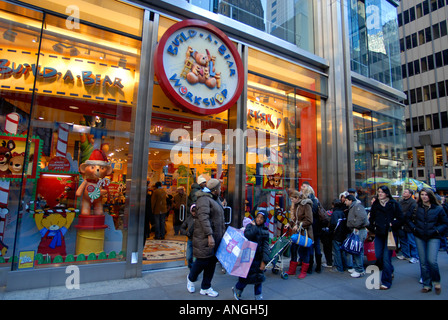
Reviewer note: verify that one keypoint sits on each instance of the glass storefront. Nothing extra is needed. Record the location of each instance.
(282, 134)
(67, 97)
(374, 41)
(380, 139)
(292, 21)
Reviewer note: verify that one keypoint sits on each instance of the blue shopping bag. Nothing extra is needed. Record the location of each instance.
(352, 244)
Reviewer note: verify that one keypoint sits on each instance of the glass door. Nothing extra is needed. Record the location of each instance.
(183, 148)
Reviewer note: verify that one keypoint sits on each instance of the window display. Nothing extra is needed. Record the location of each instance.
(67, 96)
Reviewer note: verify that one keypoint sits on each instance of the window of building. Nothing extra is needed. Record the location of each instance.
(443, 29)
(436, 31)
(428, 36)
(373, 32)
(420, 157)
(421, 37)
(439, 60)
(444, 117)
(84, 97)
(428, 122)
(441, 86)
(438, 157)
(416, 67)
(419, 10)
(411, 14)
(426, 95)
(435, 121)
(426, 7)
(419, 94)
(280, 154)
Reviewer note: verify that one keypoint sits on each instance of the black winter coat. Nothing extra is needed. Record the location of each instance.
(259, 235)
(338, 225)
(428, 222)
(381, 217)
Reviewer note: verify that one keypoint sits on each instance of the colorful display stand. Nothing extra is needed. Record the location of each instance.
(90, 235)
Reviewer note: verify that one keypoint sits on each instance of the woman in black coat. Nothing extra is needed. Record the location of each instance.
(258, 233)
(429, 223)
(385, 215)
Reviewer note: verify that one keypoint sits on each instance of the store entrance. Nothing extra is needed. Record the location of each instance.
(166, 245)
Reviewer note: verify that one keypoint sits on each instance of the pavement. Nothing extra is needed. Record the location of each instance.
(170, 284)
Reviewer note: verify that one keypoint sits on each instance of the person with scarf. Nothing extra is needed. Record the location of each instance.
(429, 223)
(385, 215)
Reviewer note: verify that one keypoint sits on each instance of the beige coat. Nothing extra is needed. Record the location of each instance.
(158, 201)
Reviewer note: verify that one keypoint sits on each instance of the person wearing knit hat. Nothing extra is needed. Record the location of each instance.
(209, 229)
(213, 184)
(202, 181)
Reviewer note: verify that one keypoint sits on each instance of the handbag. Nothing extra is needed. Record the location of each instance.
(302, 239)
(391, 244)
(352, 244)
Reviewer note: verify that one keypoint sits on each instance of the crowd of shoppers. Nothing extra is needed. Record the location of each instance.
(416, 224)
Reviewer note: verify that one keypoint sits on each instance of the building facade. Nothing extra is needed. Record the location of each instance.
(100, 103)
(423, 34)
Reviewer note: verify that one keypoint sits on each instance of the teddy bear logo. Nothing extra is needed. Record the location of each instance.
(53, 228)
(200, 68)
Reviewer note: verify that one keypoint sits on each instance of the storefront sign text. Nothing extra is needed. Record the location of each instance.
(88, 78)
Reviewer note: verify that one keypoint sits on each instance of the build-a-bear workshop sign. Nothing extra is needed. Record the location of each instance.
(199, 68)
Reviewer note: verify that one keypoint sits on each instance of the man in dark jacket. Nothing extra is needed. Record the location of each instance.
(209, 228)
(406, 237)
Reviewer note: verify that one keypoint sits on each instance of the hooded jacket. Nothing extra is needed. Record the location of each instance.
(357, 216)
(303, 213)
(209, 220)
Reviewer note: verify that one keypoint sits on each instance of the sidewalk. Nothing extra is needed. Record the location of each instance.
(170, 284)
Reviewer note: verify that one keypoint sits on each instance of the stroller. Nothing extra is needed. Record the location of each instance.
(277, 249)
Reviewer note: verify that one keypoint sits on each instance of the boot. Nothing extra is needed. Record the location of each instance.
(318, 263)
(292, 268)
(310, 268)
(305, 267)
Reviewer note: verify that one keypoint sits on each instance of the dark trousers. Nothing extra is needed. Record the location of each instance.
(160, 225)
(203, 264)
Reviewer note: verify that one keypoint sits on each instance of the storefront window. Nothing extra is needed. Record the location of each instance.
(68, 95)
(281, 137)
(438, 156)
(379, 144)
(292, 21)
(374, 44)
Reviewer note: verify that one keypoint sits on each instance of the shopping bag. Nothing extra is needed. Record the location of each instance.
(302, 239)
(391, 245)
(352, 244)
(236, 253)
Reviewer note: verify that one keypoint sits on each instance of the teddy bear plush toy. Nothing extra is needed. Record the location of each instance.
(52, 229)
(94, 172)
